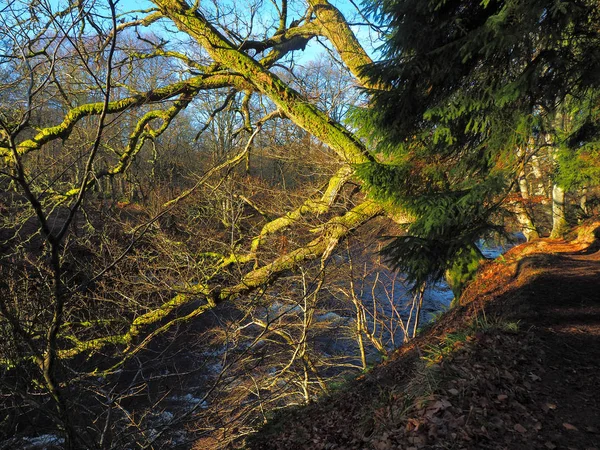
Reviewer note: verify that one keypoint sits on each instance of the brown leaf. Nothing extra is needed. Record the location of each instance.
(520, 428)
(570, 427)
(446, 403)
(453, 391)
(550, 445)
(412, 424)
(502, 397)
(434, 408)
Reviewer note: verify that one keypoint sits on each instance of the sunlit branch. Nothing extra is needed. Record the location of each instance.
(304, 114)
(334, 230)
(64, 129)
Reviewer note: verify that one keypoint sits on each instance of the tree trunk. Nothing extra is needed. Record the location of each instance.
(583, 201)
(559, 221)
(293, 105)
(523, 217)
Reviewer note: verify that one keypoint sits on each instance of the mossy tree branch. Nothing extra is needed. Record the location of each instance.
(297, 108)
(311, 206)
(332, 232)
(335, 230)
(64, 129)
(334, 26)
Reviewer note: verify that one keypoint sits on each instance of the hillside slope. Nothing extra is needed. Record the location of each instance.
(516, 366)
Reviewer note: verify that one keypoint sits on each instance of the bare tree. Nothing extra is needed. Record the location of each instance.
(131, 223)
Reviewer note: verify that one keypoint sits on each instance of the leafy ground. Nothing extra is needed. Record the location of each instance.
(516, 366)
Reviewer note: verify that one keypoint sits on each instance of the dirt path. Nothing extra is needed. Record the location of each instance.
(564, 307)
(517, 366)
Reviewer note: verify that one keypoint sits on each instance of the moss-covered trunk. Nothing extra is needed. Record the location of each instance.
(294, 105)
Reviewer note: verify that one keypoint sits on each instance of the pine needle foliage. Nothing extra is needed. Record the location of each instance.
(449, 218)
(462, 85)
(446, 60)
(577, 135)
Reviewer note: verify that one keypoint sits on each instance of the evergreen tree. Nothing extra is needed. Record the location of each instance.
(463, 84)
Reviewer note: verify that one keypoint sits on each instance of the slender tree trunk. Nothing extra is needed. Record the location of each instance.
(419, 307)
(559, 216)
(541, 187)
(583, 201)
(522, 214)
(559, 221)
(359, 326)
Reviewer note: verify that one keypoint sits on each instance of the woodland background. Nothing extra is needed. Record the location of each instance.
(194, 197)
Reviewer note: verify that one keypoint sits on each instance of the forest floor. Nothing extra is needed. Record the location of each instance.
(515, 366)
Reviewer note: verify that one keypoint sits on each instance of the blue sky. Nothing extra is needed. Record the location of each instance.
(313, 49)
(267, 12)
